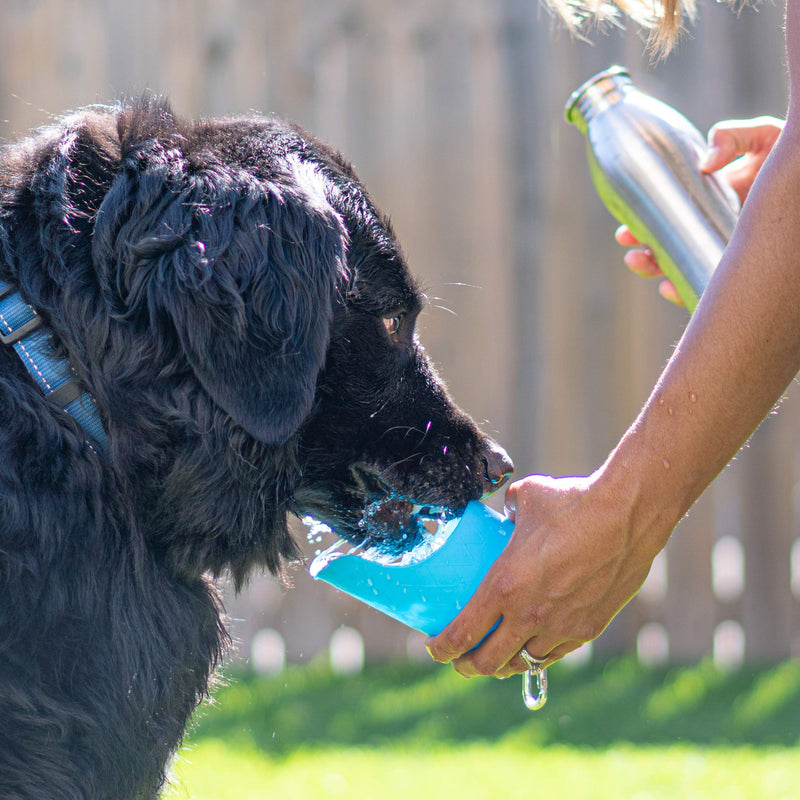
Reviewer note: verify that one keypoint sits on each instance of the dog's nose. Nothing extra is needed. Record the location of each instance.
(498, 467)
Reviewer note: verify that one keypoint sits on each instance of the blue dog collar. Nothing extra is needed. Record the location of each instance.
(21, 326)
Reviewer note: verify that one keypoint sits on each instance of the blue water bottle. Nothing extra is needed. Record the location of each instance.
(429, 593)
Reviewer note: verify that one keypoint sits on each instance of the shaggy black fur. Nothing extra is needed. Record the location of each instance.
(244, 318)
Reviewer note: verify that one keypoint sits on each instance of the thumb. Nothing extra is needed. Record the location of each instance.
(723, 147)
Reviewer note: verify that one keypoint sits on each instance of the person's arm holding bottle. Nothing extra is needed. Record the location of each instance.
(738, 149)
(582, 547)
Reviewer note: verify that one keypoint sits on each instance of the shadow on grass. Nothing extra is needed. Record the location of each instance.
(421, 705)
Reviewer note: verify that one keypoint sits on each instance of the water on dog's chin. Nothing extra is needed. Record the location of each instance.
(434, 534)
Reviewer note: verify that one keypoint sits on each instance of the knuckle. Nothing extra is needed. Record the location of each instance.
(504, 587)
(585, 631)
(482, 667)
(459, 640)
(592, 630)
(532, 619)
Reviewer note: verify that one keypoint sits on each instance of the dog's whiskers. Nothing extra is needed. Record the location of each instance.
(407, 428)
(413, 457)
(379, 409)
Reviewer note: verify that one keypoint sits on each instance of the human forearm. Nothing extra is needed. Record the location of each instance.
(739, 352)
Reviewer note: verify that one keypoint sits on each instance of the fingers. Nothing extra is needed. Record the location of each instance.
(643, 263)
(725, 144)
(510, 502)
(498, 654)
(471, 625)
(624, 237)
(733, 138)
(668, 291)
(480, 640)
(640, 260)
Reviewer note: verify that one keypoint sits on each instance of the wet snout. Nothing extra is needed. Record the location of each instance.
(498, 466)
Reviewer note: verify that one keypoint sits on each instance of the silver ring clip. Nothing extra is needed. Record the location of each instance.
(534, 698)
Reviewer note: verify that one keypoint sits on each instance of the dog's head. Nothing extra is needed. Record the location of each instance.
(384, 448)
(245, 319)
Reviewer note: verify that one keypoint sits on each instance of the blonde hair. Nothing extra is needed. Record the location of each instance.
(662, 18)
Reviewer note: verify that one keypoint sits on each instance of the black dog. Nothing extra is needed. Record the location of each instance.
(244, 320)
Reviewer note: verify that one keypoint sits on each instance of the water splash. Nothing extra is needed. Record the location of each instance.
(428, 542)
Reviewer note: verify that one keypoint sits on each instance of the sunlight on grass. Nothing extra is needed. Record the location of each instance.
(612, 729)
(772, 691)
(684, 691)
(214, 770)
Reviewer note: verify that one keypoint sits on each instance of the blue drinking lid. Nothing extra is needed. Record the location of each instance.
(428, 594)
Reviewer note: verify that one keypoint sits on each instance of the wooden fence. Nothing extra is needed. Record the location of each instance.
(452, 112)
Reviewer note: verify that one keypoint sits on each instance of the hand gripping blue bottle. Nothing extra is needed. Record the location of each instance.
(427, 593)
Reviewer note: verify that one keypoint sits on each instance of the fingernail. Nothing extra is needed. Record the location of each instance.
(708, 158)
(668, 292)
(430, 653)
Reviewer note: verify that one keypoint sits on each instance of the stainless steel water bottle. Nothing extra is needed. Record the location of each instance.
(644, 160)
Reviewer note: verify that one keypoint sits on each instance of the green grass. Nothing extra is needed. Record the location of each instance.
(612, 730)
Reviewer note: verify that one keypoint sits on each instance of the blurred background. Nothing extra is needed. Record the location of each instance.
(452, 112)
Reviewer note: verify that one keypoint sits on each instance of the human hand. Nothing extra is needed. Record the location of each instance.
(737, 149)
(569, 568)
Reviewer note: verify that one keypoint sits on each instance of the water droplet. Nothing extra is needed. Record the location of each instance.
(660, 400)
(670, 411)
(693, 397)
(665, 462)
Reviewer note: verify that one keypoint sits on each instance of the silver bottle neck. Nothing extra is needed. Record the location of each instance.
(596, 95)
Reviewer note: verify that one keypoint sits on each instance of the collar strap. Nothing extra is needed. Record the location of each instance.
(23, 329)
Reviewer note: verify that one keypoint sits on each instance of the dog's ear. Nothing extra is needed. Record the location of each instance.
(244, 269)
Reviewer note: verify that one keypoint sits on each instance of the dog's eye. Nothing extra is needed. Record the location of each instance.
(392, 324)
